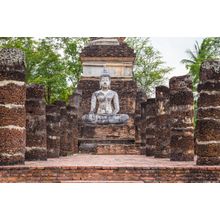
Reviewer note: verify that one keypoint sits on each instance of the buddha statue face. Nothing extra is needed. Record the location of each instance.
(105, 82)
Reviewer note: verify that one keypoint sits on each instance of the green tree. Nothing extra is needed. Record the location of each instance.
(208, 50)
(149, 69)
(52, 62)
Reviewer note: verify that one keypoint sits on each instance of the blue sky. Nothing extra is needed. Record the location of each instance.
(173, 51)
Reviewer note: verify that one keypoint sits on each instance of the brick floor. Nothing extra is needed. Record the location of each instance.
(107, 161)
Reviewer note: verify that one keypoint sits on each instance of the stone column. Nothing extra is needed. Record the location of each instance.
(163, 123)
(150, 120)
(181, 116)
(70, 136)
(75, 131)
(75, 103)
(208, 124)
(143, 128)
(63, 127)
(141, 98)
(53, 131)
(75, 100)
(36, 136)
(12, 107)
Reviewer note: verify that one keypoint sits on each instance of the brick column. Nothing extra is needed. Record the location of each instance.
(70, 136)
(208, 124)
(75, 103)
(138, 121)
(36, 136)
(75, 100)
(12, 107)
(75, 131)
(163, 123)
(53, 131)
(143, 128)
(181, 116)
(63, 127)
(150, 119)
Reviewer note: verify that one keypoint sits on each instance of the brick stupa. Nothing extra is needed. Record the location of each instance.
(118, 58)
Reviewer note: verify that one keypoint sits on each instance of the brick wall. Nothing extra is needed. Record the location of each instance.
(103, 173)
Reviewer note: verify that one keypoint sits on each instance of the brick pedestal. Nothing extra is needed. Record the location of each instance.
(12, 107)
(36, 134)
(150, 131)
(181, 115)
(163, 123)
(53, 131)
(108, 139)
(208, 124)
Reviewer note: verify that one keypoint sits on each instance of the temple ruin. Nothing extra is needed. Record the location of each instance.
(145, 139)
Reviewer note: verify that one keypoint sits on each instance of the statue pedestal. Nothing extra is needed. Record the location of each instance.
(108, 139)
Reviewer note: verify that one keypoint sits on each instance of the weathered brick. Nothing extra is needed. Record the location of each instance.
(12, 107)
(181, 119)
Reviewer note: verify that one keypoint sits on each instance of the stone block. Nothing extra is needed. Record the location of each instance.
(209, 130)
(108, 131)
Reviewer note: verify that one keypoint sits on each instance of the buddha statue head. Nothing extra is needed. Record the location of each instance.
(105, 80)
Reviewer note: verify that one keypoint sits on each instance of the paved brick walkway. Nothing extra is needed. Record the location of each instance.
(108, 161)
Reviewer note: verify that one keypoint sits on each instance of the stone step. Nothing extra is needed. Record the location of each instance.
(83, 181)
(109, 174)
(109, 149)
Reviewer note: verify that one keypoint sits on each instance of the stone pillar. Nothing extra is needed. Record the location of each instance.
(143, 128)
(181, 116)
(150, 120)
(63, 127)
(53, 131)
(70, 135)
(36, 134)
(208, 124)
(141, 98)
(75, 131)
(163, 122)
(75, 100)
(12, 107)
(75, 103)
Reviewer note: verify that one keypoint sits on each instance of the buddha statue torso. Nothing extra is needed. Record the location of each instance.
(107, 102)
(108, 105)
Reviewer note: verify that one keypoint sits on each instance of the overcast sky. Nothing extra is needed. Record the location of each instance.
(173, 51)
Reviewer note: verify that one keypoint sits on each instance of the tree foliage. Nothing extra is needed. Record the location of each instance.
(208, 50)
(150, 69)
(55, 63)
(52, 62)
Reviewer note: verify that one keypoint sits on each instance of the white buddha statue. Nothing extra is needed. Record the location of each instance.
(108, 105)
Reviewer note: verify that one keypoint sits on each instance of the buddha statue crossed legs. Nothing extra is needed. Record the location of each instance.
(108, 105)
